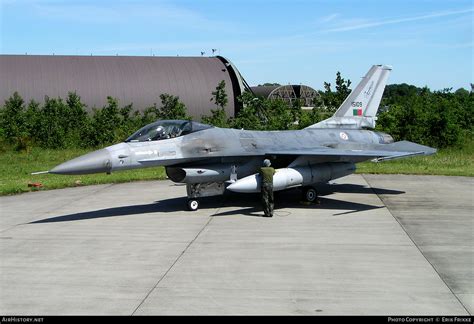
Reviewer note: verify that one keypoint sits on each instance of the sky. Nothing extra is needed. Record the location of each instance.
(428, 43)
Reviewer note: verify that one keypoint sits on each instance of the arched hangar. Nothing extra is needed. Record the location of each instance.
(288, 93)
(131, 79)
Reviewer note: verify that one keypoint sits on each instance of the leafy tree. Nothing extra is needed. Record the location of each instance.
(172, 108)
(105, 121)
(342, 88)
(13, 119)
(218, 116)
(265, 114)
(439, 121)
(51, 131)
(32, 118)
(150, 115)
(129, 121)
(331, 100)
(280, 115)
(252, 115)
(77, 114)
(422, 116)
(311, 117)
(219, 96)
(464, 109)
(76, 120)
(398, 93)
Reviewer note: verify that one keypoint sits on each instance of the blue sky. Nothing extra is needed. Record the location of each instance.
(427, 42)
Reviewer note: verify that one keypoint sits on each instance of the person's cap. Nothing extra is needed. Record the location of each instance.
(266, 162)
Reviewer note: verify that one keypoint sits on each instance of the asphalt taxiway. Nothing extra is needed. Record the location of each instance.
(376, 244)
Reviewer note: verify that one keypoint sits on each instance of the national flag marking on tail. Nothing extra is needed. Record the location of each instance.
(357, 112)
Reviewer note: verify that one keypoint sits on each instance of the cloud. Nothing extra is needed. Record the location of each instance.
(329, 18)
(368, 24)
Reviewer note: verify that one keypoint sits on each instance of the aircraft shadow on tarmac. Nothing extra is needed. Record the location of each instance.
(248, 204)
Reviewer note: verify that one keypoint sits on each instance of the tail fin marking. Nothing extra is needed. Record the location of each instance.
(360, 108)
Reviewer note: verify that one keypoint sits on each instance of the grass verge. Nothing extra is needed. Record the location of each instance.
(16, 168)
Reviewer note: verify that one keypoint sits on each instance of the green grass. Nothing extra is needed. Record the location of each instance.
(16, 168)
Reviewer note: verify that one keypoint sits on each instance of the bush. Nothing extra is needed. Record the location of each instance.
(51, 126)
(172, 108)
(60, 124)
(438, 119)
(264, 114)
(13, 122)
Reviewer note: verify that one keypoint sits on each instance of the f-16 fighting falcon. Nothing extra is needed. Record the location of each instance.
(211, 160)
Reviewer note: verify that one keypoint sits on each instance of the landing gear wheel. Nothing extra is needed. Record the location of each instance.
(193, 204)
(310, 195)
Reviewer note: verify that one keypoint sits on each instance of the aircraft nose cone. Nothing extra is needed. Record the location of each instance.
(94, 162)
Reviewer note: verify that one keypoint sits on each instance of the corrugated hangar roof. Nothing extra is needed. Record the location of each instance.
(264, 91)
(287, 93)
(131, 79)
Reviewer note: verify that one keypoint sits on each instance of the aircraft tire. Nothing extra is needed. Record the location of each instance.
(193, 204)
(310, 194)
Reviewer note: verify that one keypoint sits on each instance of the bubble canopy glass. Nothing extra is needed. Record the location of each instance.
(164, 129)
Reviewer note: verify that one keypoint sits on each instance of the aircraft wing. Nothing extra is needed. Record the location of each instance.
(379, 152)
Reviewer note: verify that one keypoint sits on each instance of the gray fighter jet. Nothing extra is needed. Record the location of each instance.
(211, 160)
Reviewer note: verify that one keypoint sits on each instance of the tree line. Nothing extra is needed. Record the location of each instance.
(434, 118)
(59, 123)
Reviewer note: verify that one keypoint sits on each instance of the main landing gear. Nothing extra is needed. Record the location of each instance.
(310, 195)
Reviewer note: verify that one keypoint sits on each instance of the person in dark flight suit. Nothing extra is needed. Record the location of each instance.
(266, 173)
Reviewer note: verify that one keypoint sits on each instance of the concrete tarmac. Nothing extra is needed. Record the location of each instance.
(375, 244)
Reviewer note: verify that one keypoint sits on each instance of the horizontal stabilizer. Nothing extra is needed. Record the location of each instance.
(378, 152)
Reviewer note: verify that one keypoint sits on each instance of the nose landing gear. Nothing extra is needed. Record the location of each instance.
(193, 204)
(199, 190)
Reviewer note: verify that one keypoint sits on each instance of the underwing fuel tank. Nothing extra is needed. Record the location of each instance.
(210, 173)
(293, 177)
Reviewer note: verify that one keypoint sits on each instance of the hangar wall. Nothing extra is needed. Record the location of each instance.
(131, 79)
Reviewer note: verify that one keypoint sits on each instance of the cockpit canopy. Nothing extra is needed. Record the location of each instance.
(164, 129)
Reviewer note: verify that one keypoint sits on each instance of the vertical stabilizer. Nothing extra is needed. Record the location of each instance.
(359, 110)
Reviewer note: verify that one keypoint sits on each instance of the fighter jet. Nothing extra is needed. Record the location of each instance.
(212, 160)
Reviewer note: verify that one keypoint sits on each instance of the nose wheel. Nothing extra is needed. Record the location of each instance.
(193, 204)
